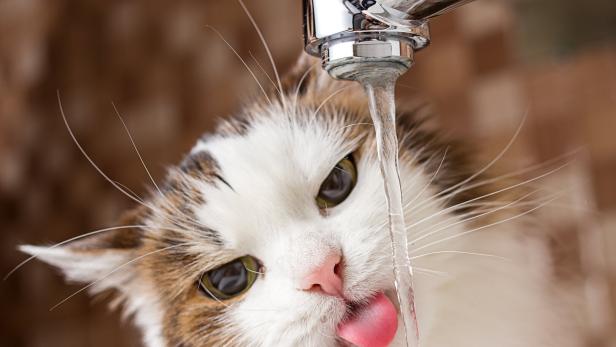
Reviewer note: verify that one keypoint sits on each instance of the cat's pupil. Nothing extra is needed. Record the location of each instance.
(338, 185)
(230, 279)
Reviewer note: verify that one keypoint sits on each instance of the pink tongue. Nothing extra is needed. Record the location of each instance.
(373, 325)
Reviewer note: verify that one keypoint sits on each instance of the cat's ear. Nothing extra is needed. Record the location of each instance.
(102, 257)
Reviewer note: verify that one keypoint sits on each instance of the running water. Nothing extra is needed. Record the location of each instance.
(380, 85)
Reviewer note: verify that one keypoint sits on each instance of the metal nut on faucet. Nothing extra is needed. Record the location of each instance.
(351, 31)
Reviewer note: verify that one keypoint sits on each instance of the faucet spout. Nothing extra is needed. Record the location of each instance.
(351, 32)
(424, 9)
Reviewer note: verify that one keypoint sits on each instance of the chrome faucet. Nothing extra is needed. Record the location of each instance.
(345, 33)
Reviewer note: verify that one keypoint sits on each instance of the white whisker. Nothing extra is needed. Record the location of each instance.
(265, 72)
(421, 270)
(162, 196)
(464, 220)
(431, 179)
(267, 50)
(213, 296)
(355, 124)
(462, 204)
(242, 61)
(113, 183)
(329, 97)
(493, 161)
(482, 227)
(114, 271)
(460, 252)
(496, 179)
(300, 82)
(132, 141)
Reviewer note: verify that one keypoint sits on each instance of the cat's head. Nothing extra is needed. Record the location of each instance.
(272, 231)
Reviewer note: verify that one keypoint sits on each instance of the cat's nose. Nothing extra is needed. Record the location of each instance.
(325, 278)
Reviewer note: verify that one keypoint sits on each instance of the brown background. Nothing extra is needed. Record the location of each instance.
(491, 63)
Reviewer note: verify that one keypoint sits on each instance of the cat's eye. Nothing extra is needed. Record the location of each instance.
(231, 279)
(338, 184)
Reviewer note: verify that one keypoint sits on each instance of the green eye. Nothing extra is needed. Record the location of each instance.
(338, 184)
(231, 279)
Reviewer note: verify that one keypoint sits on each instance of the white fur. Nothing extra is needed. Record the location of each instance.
(275, 170)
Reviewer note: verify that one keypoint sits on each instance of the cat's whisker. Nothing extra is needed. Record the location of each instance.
(214, 296)
(126, 191)
(381, 225)
(132, 141)
(85, 154)
(482, 227)
(118, 268)
(329, 97)
(418, 173)
(477, 213)
(421, 191)
(139, 198)
(355, 124)
(493, 161)
(429, 233)
(255, 272)
(299, 84)
(460, 205)
(473, 210)
(575, 207)
(460, 186)
(440, 197)
(421, 270)
(267, 50)
(136, 149)
(477, 205)
(408, 87)
(516, 204)
(243, 62)
(461, 253)
(264, 72)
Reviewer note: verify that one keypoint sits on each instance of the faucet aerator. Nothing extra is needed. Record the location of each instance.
(353, 35)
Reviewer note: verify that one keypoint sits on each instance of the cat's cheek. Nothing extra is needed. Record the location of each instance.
(190, 317)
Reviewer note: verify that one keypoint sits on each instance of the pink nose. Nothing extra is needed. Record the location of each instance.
(325, 278)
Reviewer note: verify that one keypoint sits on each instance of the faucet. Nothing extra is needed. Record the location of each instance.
(351, 36)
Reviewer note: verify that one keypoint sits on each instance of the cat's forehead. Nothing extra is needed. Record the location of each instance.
(280, 145)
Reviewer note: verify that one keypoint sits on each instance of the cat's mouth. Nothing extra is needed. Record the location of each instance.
(372, 324)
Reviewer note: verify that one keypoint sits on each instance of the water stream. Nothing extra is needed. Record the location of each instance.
(379, 86)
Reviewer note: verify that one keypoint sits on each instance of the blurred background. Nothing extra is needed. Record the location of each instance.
(490, 64)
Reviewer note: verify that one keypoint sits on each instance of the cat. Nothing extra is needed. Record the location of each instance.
(273, 232)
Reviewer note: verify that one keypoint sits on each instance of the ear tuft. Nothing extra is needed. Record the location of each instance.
(80, 265)
(97, 255)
